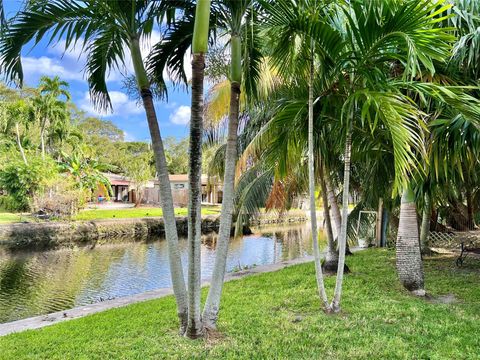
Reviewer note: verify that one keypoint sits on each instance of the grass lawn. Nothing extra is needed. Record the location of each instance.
(277, 316)
(97, 214)
(6, 217)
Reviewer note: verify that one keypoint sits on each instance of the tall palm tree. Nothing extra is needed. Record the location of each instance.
(373, 38)
(289, 22)
(49, 112)
(235, 12)
(105, 29)
(199, 49)
(234, 18)
(49, 109)
(17, 115)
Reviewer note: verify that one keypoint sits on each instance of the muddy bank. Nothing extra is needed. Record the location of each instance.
(51, 235)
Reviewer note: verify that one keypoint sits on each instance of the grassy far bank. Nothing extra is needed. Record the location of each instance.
(276, 315)
(96, 214)
(6, 217)
(100, 214)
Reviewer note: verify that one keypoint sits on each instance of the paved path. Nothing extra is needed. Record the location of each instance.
(41, 321)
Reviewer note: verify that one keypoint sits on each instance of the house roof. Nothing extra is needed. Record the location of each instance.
(184, 178)
(116, 179)
(178, 177)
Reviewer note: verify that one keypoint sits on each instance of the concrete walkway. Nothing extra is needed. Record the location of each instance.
(41, 321)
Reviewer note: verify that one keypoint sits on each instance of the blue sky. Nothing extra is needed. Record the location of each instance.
(41, 60)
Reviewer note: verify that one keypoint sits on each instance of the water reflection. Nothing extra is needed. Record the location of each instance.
(33, 283)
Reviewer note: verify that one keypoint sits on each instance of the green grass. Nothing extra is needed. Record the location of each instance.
(100, 214)
(97, 214)
(277, 316)
(7, 217)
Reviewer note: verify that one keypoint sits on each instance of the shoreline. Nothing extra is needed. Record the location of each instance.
(41, 321)
(53, 235)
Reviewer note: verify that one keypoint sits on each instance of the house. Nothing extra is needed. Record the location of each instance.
(123, 190)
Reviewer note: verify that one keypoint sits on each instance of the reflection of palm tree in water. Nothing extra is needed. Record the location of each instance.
(45, 282)
(294, 242)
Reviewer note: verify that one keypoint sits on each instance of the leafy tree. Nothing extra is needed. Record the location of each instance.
(176, 153)
(86, 173)
(23, 180)
(138, 168)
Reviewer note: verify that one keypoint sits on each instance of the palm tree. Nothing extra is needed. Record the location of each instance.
(199, 49)
(409, 259)
(331, 257)
(105, 28)
(234, 13)
(373, 38)
(49, 112)
(235, 18)
(290, 22)
(17, 115)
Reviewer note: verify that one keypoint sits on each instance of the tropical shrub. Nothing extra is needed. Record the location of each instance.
(22, 181)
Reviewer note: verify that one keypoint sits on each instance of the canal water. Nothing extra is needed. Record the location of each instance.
(35, 283)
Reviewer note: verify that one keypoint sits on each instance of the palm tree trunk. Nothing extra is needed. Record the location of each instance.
(199, 48)
(378, 232)
(470, 211)
(337, 216)
(42, 141)
(166, 200)
(212, 305)
(19, 143)
(311, 188)
(332, 200)
(409, 259)
(331, 258)
(425, 227)
(342, 240)
(194, 329)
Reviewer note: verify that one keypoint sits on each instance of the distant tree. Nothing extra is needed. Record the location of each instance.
(94, 127)
(139, 169)
(176, 152)
(22, 181)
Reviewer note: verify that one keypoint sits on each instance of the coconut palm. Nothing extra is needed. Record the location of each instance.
(109, 32)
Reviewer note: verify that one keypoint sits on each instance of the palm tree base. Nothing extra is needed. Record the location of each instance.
(330, 267)
(419, 293)
(194, 333)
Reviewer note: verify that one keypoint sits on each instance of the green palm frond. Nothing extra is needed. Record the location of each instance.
(401, 117)
(252, 191)
(105, 53)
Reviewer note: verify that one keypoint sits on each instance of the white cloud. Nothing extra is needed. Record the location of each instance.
(129, 137)
(121, 104)
(69, 64)
(181, 116)
(74, 52)
(171, 105)
(48, 66)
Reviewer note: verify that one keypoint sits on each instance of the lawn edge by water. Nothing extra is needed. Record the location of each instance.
(277, 315)
(38, 322)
